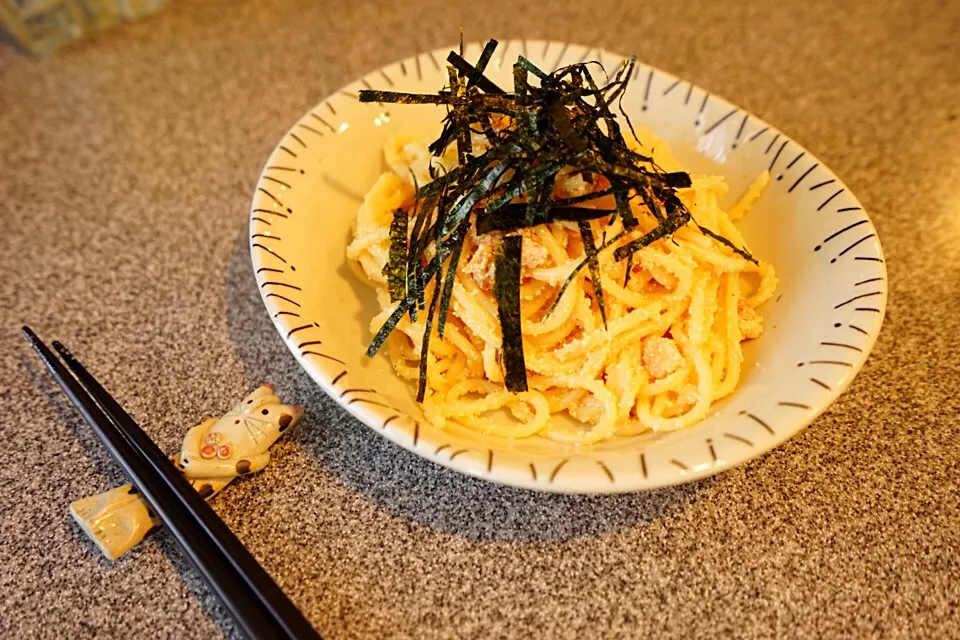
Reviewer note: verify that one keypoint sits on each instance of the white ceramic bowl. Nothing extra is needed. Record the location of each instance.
(819, 329)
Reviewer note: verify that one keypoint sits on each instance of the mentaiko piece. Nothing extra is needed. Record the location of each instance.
(213, 454)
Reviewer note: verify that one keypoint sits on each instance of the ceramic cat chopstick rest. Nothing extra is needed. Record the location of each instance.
(213, 454)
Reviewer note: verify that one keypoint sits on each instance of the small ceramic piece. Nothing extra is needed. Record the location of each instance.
(213, 454)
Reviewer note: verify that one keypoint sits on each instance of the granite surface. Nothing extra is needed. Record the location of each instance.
(126, 169)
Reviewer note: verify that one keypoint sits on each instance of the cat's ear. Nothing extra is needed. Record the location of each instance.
(288, 416)
(270, 410)
(283, 416)
(267, 407)
(280, 416)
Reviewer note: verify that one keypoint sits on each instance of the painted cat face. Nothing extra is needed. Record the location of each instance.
(264, 414)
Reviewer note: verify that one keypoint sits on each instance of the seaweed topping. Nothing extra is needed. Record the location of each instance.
(506, 290)
(396, 268)
(563, 121)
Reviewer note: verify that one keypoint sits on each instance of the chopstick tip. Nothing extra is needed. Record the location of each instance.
(65, 354)
(30, 335)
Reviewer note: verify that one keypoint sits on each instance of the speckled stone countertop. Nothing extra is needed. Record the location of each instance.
(126, 170)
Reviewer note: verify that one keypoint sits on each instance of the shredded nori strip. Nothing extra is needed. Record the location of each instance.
(416, 247)
(662, 230)
(677, 180)
(532, 68)
(465, 205)
(576, 270)
(425, 347)
(530, 181)
(388, 326)
(623, 208)
(507, 218)
(506, 291)
(371, 95)
(737, 250)
(475, 74)
(396, 268)
(539, 200)
(564, 124)
(590, 250)
(587, 197)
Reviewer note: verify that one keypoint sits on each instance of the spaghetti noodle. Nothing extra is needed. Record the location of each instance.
(671, 343)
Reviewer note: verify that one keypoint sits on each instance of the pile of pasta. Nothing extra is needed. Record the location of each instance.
(671, 345)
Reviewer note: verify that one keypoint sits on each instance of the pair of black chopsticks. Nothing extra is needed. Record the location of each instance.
(258, 605)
